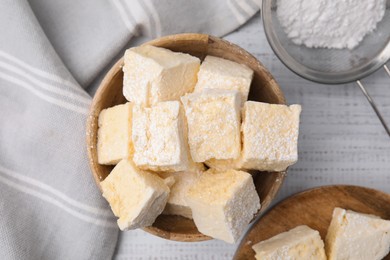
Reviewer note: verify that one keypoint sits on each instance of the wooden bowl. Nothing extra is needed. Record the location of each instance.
(264, 88)
(313, 208)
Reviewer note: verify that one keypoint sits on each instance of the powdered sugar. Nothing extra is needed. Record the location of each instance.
(329, 23)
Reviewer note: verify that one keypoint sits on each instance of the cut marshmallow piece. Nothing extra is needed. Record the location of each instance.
(213, 118)
(177, 204)
(218, 73)
(114, 134)
(136, 197)
(269, 137)
(300, 243)
(357, 236)
(223, 203)
(159, 137)
(153, 74)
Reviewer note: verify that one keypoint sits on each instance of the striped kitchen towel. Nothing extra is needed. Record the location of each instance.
(51, 53)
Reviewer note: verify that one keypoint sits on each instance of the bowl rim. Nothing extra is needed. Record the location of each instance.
(91, 135)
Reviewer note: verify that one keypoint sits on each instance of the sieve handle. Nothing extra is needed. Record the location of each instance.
(372, 103)
(386, 69)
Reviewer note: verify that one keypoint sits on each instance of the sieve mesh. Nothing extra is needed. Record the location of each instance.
(329, 66)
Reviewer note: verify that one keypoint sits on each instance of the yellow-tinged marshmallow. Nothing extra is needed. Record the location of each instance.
(159, 137)
(357, 236)
(223, 203)
(223, 165)
(224, 74)
(153, 74)
(213, 118)
(114, 134)
(176, 204)
(300, 243)
(269, 137)
(136, 197)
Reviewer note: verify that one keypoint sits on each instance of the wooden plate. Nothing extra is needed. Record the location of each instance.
(313, 208)
(263, 88)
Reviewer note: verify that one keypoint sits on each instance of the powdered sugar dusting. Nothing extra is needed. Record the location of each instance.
(329, 23)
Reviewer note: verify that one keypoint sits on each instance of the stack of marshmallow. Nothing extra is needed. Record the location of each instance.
(182, 118)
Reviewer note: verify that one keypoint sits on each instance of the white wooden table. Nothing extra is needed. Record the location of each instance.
(341, 142)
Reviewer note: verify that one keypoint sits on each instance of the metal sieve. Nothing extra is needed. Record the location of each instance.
(331, 66)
